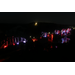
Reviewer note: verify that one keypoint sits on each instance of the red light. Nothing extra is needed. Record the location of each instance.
(52, 35)
(34, 40)
(58, 32)
(51, 46)
(13, 43)
(5, 46)
(48, 35)
(49, 39)
(40, 37)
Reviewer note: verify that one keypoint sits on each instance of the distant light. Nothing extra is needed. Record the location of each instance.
(35, 23)
(51, 46)
(24, 41)
(14, 44)
(5, 46)
(52, 36)
(62, 40)
(44, 35)
(33, 40)
(48, 32)
(40, 37)
(17, 43)
(48, 35)
(30, 36)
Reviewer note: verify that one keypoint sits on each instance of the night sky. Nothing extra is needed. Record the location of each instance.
(27, 17)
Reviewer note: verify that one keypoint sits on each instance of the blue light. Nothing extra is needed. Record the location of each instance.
(45, 36)
(62, 40)
(17, 43)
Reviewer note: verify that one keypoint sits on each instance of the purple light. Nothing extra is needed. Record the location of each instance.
(56, 32)
(45, 36)
(65, 34)
(62, 40)
(66, 40)
(17, 43)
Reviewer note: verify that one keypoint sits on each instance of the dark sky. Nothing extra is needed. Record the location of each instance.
(27, 17)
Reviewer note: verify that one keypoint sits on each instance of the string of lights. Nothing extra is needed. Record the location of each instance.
(49, 35)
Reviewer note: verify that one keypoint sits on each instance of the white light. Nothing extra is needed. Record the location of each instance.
(24, 41)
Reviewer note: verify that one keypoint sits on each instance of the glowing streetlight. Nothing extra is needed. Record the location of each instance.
(35, 23)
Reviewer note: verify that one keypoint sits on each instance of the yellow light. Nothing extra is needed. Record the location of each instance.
(36, 24)
(33, 40)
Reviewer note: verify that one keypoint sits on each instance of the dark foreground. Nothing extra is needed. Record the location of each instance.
(38, 52)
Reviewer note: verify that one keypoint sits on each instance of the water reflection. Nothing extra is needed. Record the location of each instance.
(65, 40)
